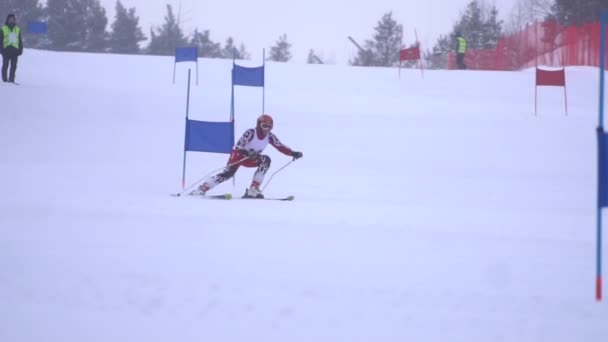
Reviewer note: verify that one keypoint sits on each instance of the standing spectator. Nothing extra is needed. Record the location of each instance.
(11, 47)
(461, 49)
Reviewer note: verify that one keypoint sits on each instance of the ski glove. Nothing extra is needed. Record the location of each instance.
(296, 155)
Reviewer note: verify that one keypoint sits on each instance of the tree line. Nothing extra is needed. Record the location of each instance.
(82, 25)
(480, 24)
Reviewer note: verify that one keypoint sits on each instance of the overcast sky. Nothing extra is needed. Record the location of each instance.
(309, 24)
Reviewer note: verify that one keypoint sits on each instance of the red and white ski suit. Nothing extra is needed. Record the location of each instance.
(252, 139)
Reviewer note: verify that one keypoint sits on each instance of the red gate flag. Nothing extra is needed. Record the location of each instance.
(550, 78)
(409, 54)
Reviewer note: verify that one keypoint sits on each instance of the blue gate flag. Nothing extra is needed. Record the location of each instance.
(207, 136)
(252, 77)
(602, 148)
(37, 27)
(186, 54)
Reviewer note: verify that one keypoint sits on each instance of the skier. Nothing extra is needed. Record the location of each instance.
(248, 153)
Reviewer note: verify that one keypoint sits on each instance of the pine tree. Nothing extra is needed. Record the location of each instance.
(206, 47)
(243, 54)
(438, 57)
(479, 25)
(388, 41)
(66, 25)
(96, 38)
(229, 50)
(577, 12)
(126, 33)
(168, 37)
(471, 26)
(280, 52)
(77, 25)
(313, 58)
(25, 11)
(383, 50)
(492, 28)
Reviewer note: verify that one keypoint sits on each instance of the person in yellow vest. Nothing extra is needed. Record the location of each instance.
(461, 49)
(11, 47)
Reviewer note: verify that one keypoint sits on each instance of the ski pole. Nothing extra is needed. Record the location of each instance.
(209, 174)
(277, 171)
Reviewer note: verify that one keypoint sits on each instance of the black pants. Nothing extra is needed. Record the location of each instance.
(6, 59)
(460, 61)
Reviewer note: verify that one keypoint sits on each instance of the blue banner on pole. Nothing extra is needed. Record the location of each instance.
(36, 27)
(206, 136)
(252, 77)
(186, 54)
(602, 144)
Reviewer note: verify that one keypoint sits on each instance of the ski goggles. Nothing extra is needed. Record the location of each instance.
(266, 126)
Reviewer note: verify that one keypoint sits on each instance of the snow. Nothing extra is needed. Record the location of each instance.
(427, 209)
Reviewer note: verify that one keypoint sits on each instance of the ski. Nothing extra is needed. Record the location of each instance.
(287, 198)
(222, 196)
(226, 196)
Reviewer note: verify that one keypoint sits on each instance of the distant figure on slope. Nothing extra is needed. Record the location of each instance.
(461, 49)
(248, 153)
(11, 48)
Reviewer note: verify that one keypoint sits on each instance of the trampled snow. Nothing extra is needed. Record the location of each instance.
(427, 209)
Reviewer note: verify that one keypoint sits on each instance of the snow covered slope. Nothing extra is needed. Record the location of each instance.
(435, 209)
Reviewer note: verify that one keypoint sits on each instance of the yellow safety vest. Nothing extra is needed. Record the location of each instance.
(462, 45)
(11, 38)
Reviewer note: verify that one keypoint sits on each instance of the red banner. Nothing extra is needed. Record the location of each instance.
(409, 54)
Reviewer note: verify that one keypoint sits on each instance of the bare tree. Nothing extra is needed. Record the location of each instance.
(527, 11)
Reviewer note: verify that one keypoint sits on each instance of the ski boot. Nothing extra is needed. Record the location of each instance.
(201, 190)
(253, 192)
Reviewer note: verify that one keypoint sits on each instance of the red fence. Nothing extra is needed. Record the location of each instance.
(545, 43)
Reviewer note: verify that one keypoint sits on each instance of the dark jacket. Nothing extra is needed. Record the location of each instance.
(10, 50)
